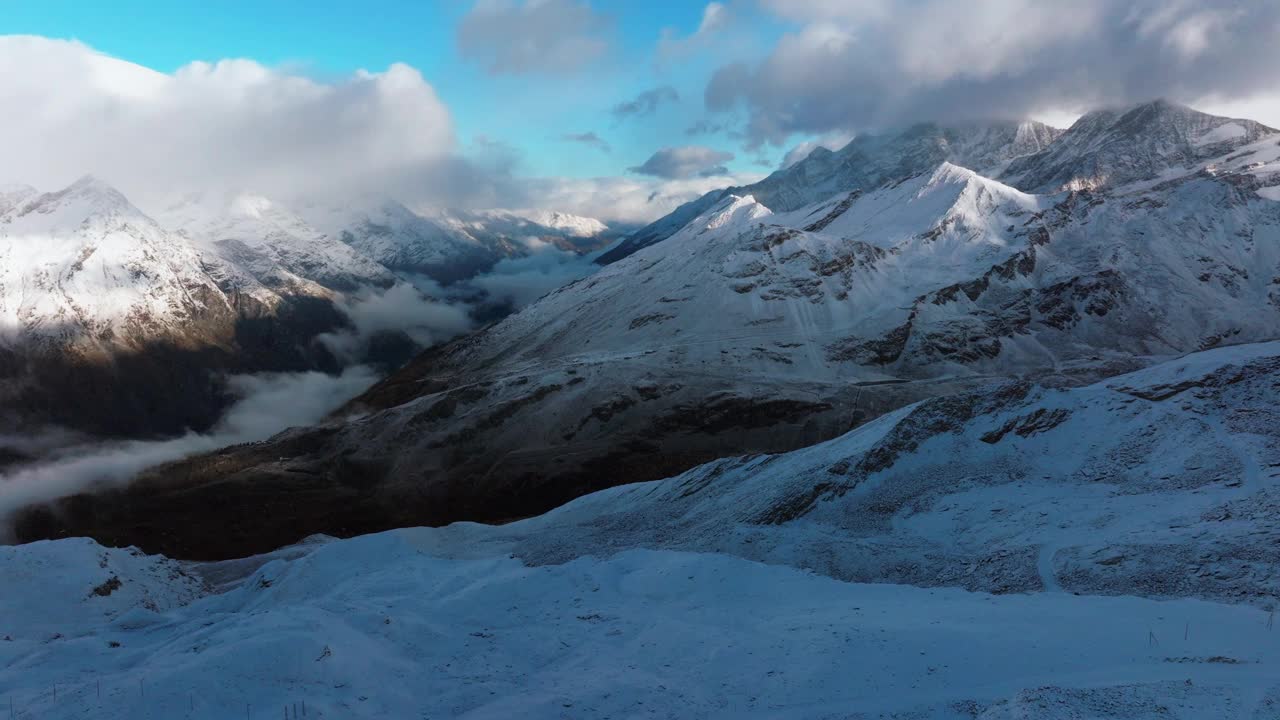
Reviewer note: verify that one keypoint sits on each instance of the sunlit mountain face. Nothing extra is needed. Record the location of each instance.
(404, 361)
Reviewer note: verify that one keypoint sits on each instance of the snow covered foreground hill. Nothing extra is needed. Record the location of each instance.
(1104, 551)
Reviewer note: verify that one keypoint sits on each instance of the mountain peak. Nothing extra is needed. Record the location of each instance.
(91, 183)
(1114, 146)
(87, 197)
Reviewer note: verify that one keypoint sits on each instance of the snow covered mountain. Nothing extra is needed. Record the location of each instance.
(868, 161)
(115, 325)
(1108, 148)
(84, 266)
(96, 293)
(451, 245)
(103, 313)
(408, 242)
(1098, 551)
(276, 246)
(754, 330)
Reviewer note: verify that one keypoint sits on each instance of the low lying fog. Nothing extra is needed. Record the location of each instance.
(268, 404)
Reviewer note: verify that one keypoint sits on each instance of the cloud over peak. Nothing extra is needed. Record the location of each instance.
(871, 63)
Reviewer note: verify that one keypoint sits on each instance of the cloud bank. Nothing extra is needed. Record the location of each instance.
(233, 123)
(871, 63)
(238, 126)
(400, 308)
(268, 404)
(520, 281)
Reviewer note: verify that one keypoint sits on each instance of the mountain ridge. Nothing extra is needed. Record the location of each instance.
(750, 330)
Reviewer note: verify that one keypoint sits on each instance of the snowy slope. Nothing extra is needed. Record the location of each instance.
(1161, 483)
(573, 226)
(374, 628)
(1127, 531)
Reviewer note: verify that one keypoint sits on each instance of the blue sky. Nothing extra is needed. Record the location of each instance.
(529, 112)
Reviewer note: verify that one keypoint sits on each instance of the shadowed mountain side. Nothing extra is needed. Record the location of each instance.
(163, 387)
(482, 452)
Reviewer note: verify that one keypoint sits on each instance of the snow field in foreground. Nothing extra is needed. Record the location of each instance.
(374, 628)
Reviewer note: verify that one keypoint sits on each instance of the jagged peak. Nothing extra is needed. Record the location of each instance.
(948, 172)
(732, 210)
(959, 182)
(1149, 113)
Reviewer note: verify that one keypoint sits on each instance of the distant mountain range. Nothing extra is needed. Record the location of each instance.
(883, 273)
(118, 322)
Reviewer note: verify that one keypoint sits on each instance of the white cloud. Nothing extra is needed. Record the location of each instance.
(268, 404)
(870, 63)
(70, 110)
(400, 308)
(549, 36)
(520, 281)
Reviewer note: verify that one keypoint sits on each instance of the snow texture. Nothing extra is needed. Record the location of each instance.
(1123, 528)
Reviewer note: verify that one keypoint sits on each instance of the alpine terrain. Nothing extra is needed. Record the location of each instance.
(881, 274)
(591, 359)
